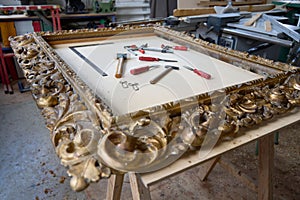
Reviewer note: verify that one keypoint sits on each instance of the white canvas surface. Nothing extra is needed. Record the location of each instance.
(174, 86)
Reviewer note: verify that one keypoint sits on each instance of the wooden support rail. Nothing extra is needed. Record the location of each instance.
(210, 10)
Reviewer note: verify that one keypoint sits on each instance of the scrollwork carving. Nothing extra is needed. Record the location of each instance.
(75, 130)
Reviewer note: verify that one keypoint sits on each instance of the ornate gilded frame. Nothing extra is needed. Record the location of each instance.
(93, 143)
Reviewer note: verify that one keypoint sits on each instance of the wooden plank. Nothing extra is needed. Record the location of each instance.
(266, 165)
(201, 11)
(192, 11)
(139, 190)
(114, 187)
(195, 158)
(207, 167)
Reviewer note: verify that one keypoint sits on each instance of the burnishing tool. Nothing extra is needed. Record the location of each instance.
(198, 72)
(121, 57)
(160, 76)
(146, 58)
(140, 70)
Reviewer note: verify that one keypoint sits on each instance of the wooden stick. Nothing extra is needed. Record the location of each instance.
(207, 167)
(139, 190)
(253, 19)
(266, 167)
(114, 187)
(268, 26)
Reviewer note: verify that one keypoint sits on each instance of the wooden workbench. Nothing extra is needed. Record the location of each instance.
(207, 158)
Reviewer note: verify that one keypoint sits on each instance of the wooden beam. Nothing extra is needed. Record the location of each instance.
(265, 168)
(114, 187)
(139, 190)
(202, 11)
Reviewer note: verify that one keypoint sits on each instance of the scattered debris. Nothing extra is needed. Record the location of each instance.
(52, 173)
(62, 179)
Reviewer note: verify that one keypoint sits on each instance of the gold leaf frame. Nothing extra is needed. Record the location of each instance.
(93, 143)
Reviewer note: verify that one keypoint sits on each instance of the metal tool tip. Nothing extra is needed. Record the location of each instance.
(173, 67)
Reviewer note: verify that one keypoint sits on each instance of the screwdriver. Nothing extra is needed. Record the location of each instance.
(140, 70)
(198, 72)
(145, 58)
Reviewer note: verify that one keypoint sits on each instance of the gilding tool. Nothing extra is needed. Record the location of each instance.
(121, 57)
(160, 76)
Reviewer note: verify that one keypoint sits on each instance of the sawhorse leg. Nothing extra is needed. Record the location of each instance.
(207, 167)
(114, 187)
(266, 165)
(139, 190)
(265, 169)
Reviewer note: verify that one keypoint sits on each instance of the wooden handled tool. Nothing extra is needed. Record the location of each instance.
(160, 76)
(140, 70)
(121, 57)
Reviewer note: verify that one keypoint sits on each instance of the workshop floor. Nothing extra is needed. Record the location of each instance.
(30, 169)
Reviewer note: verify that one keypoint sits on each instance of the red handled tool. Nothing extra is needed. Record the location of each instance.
(140, 70)
(145, 58)
(198, 72)
(181, 48)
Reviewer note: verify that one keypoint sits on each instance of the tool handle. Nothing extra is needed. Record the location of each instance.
(119, 68)
(202, 74)
(145, 58)
(160, 76)
(139, 70)
(181, 48)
